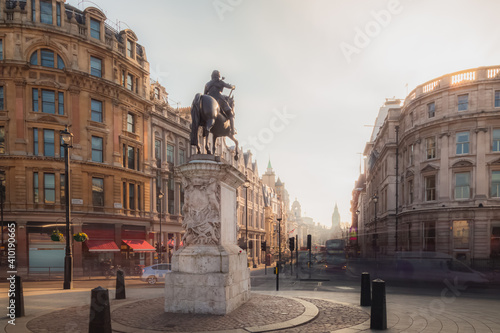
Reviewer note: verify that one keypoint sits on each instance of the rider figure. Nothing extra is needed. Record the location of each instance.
(214, 88)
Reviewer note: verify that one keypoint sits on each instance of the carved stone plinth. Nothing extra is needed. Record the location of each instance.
(210, 273)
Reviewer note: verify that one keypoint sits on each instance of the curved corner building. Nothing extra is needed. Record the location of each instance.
(447, 138)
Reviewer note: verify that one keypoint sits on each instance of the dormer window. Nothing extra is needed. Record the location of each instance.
(95, 29)
(157, 93)
(46, 58)
(130, 48)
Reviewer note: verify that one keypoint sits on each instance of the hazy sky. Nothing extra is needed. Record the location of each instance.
(309, 74)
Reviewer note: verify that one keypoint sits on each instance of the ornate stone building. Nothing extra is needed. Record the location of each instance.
(442, 149)
(62, 67)
(170, 147)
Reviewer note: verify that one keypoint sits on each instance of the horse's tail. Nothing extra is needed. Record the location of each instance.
(195, 119)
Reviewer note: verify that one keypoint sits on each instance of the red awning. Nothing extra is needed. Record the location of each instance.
(139, 245)
(99, 245)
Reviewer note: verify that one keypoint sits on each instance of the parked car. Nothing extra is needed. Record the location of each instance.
(155, 273)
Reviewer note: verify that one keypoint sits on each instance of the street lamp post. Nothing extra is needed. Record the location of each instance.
(160, 247)
(279, 256)
(67, 139)
(375, 235)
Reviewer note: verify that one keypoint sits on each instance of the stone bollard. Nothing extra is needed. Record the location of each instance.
(365, 289)
(378, 320)
(16, 297)
(120, 285)
(100, 316)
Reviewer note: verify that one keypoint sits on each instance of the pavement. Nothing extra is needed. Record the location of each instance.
(55, 310)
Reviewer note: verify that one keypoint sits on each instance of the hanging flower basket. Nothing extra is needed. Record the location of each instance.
(57, 236)
(80, 237)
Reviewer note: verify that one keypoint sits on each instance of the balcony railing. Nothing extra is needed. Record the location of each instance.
(455, 79)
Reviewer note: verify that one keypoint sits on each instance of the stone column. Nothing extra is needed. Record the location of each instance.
(210, 273)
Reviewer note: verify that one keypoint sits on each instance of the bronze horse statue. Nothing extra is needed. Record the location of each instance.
(205, 112)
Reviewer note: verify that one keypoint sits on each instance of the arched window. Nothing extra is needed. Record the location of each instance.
(47, 58)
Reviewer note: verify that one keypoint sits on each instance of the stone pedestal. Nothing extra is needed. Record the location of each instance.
(210, 273)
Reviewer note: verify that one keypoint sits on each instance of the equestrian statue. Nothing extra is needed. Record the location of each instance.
(214, 112)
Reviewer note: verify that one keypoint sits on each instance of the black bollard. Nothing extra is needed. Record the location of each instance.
(365, 289)
(100, 316)
(16, 297)
(120, 285)
(378, 320)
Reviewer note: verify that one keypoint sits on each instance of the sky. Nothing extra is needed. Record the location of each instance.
(310, 75)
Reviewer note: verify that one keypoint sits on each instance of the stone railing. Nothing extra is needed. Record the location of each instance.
(455, 79)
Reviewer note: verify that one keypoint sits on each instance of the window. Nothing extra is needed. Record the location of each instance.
(51, 101)
(48, 143)
(35, 100)
(461, 234)
(96, 110)
(138, 197)
(60, 103)
(130, 82)
(429, 236)
(462, 185)
(497, 93)
(410, 155)
(48, 58)
(431, 109)
(463, 102)
(131, 196)
(495, 240)
(495, 184)
(124, 156)
(430, 145)
(95, 66)
(46, 11)
(496, 140)
(170, 195)
(158, 152)
(2, 140)
(35, 141)
(98, 192)
(462, 143)
(130, 49)
(1, 49)
(430, 188)
(35, 187)
(131, 158)
(124, 198)
(170, 153)
(1, 98)
(95, 29)
(97, 150)
(48, 101)
(182, 155)
(33, 11)
(49, 187)
(157, 93)
(130, 123)
(58, 14)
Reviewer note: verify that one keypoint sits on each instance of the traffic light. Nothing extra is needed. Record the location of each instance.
(157, 247)
(263, 246)
(309, 242)
(276, 270)
(163, 249)
(291, 243)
